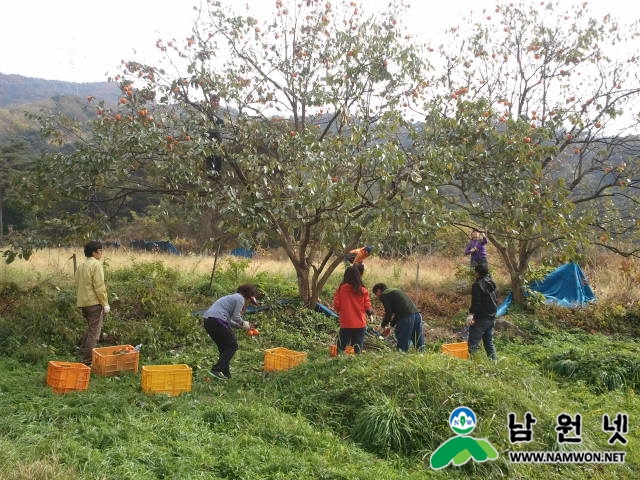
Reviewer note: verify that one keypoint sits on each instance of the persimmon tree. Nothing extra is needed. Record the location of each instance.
(532, 131)
(312, 102)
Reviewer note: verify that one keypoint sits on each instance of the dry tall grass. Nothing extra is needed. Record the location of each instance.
(58, 262)
(612, 277)
(615, 278)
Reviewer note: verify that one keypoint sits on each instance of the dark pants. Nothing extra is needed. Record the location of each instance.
(214, 163)
(226, 342)
(482, 330)
(409, 329)
(94, 317)
(351, 336)
(478, 261)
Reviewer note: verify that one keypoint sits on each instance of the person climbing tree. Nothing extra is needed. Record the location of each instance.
(358, 255)
(214, 162)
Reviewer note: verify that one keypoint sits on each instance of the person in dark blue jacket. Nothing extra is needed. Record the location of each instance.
(482, 313)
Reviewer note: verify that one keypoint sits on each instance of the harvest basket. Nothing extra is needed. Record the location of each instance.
(168, 379)
(65, 377)
(280, 358)
(112, 360)
(458, 350)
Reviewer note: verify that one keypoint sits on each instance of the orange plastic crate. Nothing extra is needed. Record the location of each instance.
(280, 358)
(112, 360)
(168, 379)
(65, 377)
(458, 350)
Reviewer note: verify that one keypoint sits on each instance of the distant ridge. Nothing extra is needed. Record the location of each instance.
(17, 90)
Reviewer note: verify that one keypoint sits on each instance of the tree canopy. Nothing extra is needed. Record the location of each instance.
(310, 135)
(525, 133)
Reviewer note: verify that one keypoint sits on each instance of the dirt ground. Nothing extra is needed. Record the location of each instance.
(439, 310)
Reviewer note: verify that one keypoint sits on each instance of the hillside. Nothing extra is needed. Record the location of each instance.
(14, 123)
(17, 90)
(19, 95)
(379, 415)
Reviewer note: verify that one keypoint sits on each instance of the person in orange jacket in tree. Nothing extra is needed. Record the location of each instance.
(358, 255)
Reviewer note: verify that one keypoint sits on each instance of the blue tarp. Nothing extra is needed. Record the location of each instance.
(155, 246)
(242, 252)
(326, 310)
(566, 286)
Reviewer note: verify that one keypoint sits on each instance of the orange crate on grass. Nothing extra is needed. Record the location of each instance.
(169, 379)
(458, 350)
(112, 360)
(280, 358)
(65, 377)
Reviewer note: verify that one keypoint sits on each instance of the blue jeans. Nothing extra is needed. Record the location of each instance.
(482, 330)
(410, 329)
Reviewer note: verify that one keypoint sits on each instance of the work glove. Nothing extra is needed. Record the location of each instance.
(470, 319)
(106, 309)
(246, 325)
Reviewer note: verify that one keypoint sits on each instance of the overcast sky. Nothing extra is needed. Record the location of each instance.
(84, 40)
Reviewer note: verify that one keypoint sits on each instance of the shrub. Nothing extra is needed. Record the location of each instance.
(603, 370)
(43, 318)
(388, 425)
(601, 316)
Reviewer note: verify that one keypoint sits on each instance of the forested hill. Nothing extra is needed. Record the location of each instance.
(17, 90)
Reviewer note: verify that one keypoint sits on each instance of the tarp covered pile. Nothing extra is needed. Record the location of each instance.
(566, 286)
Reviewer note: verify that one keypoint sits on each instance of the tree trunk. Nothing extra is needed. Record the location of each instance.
(304, 289)
(516, 258)
(310, 284)
(215, 262)
(516, 288)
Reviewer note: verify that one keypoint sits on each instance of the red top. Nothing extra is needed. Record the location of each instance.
(351, 307)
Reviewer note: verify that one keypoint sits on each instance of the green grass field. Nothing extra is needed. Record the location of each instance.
(379, 415)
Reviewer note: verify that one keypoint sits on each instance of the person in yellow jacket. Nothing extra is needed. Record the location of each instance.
(92, 298)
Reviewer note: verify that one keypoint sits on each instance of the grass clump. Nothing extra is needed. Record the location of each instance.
(602, 370)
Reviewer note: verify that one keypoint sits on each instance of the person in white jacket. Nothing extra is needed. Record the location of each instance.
(220, 319)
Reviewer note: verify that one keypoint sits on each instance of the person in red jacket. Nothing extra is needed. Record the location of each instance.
(353, 304)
